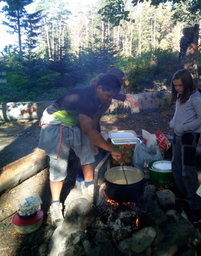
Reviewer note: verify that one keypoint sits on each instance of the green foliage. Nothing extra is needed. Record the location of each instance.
(14, 12)
(186, 11)
(32, 27)
(40, 79)
(150, 71)
(56, 56)
(114, 11)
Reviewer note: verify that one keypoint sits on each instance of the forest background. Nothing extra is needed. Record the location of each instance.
(59, 49)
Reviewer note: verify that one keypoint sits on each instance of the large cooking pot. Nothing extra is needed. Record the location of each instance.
(117, 188)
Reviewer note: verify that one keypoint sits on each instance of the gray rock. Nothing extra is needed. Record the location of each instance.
(74, 250)
(101, 237)
(76, 240)
(173, 216)
(197, 240)
(142, 239)
(125, 246)
(176, 236)
(188, 250)
(105, 249)
(152, 206)
(120, 235)
(79, 216)
(148, 193)
(74, 193)
(87, 246)
(166, 197)
(159, 236)
(155, 218)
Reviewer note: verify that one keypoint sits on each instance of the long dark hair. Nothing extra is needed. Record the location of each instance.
(187, 82)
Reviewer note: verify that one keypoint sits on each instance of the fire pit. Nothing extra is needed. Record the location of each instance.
(139, 227)
(117, 215)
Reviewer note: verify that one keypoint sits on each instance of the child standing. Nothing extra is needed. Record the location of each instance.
(187, 127)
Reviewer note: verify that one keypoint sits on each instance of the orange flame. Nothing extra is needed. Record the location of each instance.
(113, 202)
(137, 222)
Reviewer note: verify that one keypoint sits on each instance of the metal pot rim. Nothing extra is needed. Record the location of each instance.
(126, 169)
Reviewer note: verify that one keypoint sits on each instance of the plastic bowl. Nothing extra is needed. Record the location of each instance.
(28, 225)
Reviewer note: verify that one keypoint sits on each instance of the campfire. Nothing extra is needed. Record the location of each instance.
(151, 225)
(122, 215)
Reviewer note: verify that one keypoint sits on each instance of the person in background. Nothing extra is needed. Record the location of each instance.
(71, 122)
(186, 123)
(99, 154)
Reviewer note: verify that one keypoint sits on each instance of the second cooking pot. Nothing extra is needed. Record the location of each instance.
(116, 187)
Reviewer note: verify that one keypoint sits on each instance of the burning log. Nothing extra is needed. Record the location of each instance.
(14, 173)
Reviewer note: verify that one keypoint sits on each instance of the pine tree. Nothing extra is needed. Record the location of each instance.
(15, 12)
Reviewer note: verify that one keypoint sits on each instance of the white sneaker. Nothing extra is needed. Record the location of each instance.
(56, 214)
(88, 190)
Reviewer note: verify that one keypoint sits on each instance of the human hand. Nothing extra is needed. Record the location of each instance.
(117, 156)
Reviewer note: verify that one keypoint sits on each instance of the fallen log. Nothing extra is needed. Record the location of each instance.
(14, 173)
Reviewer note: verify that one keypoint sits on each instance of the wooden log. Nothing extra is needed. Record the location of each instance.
(14, 173)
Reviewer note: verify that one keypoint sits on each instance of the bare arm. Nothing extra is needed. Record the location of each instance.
(90, 131)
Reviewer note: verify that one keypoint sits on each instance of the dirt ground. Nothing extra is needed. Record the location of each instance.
(18, 139)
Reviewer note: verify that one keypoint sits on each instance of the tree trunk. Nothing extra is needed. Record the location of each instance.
(78, 41)
(59, 46)
(52, 42)
(19, 31)
(140, 37)
(87, 34)
(189, 51)
(118, 37)
(92, 33)
(131, 41)
(154, 31)
(14, 173)
(103, 32)
(48, 40)
(108, 28)
(63, 40)
(126, 43)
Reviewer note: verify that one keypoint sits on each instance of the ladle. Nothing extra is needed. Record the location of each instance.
(124, 174)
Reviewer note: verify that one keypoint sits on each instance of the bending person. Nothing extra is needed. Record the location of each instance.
(99, 154)
(71, 121)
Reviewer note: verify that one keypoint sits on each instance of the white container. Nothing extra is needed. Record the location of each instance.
(123, 137)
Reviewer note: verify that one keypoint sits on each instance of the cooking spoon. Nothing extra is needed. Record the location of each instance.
(124, 174)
